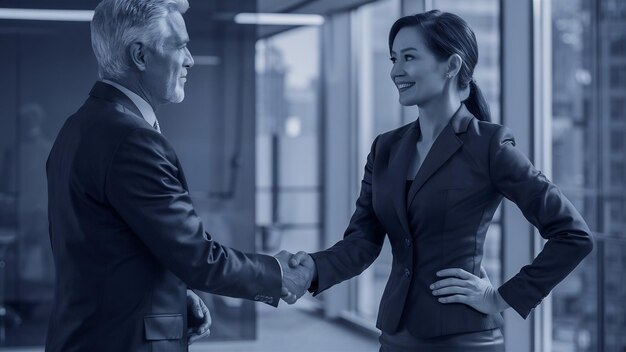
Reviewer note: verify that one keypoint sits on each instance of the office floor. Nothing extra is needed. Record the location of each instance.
(286, 328)
(292, 328)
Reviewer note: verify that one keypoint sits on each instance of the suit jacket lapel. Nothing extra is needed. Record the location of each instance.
(398, 167)
(446, 144)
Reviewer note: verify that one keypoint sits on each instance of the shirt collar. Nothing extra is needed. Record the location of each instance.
(146, 110)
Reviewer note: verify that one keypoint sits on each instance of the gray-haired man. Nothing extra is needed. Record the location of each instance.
(127, 242)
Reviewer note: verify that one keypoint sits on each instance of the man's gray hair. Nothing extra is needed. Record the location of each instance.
(118, 23)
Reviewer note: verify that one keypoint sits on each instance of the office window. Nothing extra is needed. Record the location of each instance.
(378, 111)
(588, 126)
(618, 140)
(33, 110)
(617, 105)
(618, 76)
(287, 139)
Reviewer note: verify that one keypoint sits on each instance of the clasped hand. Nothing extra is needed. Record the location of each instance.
(199, 318)
(298, 273)
(460, 286)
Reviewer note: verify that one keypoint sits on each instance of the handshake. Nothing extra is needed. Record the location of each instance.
(298, 273)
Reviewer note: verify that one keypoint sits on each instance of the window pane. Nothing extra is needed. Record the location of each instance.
(589, 163)
(299, 161)
(574, 309)
(615, 294)
(378, 112)
(299, 207)
(288, 161)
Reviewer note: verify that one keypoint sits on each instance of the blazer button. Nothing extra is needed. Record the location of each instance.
(408, 242)
(407, 272)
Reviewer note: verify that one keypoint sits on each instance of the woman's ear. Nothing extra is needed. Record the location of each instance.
(137, 55)
(454, 65)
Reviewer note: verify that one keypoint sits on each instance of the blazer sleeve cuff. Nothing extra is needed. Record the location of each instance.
(321, 284)
(272, 284)
(517, 297)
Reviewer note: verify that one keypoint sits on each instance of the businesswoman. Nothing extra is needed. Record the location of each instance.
(433, 186)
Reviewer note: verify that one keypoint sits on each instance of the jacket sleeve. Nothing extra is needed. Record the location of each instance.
(542, 203)
(361, 243)
(144, 188)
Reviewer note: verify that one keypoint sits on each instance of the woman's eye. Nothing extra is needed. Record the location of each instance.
(392, 59)
(408, 57)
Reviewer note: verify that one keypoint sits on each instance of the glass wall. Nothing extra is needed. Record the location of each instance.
(32, 111)
(589, 163)
(287, 139)
(378, 111)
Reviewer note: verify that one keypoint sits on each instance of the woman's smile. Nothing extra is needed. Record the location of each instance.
(402, 86)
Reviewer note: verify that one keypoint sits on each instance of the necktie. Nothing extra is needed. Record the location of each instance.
(156, 126)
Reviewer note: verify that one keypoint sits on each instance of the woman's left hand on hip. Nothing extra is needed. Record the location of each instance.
(460, 286)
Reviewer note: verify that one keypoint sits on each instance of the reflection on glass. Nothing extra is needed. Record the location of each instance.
(35, 258)
(26, 265)
(589, 163)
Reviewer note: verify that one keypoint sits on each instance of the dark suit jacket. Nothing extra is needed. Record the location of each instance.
(443, 221)
(126, 240)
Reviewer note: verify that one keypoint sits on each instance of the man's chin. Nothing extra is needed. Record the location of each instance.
(177, 98)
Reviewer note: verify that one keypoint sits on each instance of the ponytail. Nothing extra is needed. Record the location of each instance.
(476, 103)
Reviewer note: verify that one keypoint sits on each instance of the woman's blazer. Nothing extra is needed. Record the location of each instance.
(443, 221)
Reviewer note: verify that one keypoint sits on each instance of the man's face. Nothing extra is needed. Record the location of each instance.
(166, 69)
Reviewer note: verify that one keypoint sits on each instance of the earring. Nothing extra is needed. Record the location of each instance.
(448, 75)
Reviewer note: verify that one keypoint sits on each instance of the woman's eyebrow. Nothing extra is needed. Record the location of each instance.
(403, 50)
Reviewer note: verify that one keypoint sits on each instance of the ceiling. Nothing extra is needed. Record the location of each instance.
(319, 7)
(206, 14)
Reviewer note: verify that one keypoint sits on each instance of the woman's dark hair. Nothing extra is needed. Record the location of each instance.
(447, 34)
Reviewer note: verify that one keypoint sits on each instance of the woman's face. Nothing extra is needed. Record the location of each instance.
(416, 72)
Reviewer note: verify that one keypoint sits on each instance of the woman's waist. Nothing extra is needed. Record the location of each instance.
(478, 340)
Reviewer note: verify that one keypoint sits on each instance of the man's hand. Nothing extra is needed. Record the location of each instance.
(198, 318)
(304, 259)
(296, 279)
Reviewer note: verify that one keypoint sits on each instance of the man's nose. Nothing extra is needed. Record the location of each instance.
(188, 59)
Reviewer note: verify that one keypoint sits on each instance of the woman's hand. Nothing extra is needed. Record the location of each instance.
(459, 286)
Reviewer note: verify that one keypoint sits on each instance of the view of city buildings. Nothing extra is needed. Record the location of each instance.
(589, 164)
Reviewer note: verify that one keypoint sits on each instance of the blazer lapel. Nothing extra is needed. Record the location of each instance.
(446, 144)
(398, 167)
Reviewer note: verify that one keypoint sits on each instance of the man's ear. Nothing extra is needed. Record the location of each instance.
(137, 55)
